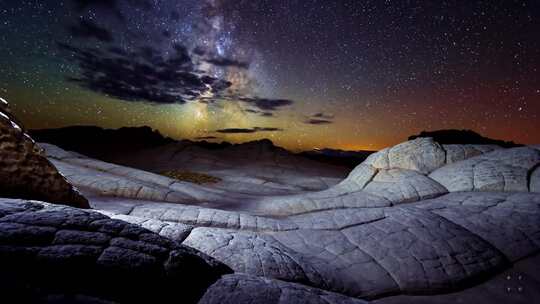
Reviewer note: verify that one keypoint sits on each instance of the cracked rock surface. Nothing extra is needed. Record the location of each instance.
(47, 250)
(240, 288)
(500, 170)
(418, 218)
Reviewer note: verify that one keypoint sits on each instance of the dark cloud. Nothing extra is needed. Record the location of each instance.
(236, 130)
(86, 29)
(320, 119)
(266, 104)
(252, 130)
(227, 62)
(261, 113)
(267, 129)
(138, 72)
(142, 74)
(314, 121)
(323, 115)
(205, 137)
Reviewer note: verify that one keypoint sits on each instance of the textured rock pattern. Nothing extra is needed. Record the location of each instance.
(233, 289)
(500, 170)
(392, 176)
(422, 154)
(416, 248)
(425, 252)
(399, 175)
(174, 231)
(48, 250)
(401, 186)
(367, 253)
(508, 221)
(395, 225)
(455, 153)
(266, 256)
(25, 172)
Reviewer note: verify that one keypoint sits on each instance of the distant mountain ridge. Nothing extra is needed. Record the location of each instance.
(337, 157)
(453, 136)
(110, 144)
(98, 142)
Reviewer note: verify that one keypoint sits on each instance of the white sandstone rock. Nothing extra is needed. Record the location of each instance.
(500, 170)
(404, 186)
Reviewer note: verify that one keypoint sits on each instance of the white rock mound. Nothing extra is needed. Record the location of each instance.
(417, 218)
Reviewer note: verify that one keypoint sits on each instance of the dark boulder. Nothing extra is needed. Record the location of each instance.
(51, 253)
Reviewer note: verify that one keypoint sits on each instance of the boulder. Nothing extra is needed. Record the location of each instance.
(48, 250)
(25, 172)
(421, 154)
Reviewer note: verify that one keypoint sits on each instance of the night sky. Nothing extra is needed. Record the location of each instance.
(340, 74)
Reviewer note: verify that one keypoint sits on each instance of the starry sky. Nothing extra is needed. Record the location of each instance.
(305, 73)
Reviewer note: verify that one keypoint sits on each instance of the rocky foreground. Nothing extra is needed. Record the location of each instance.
(417, 222)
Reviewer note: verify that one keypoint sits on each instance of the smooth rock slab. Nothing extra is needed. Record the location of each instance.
(49, 250)
(238, 288)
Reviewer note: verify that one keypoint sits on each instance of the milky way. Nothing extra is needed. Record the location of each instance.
(342, 74)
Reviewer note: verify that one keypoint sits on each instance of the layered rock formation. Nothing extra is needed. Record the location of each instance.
(25, 172)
